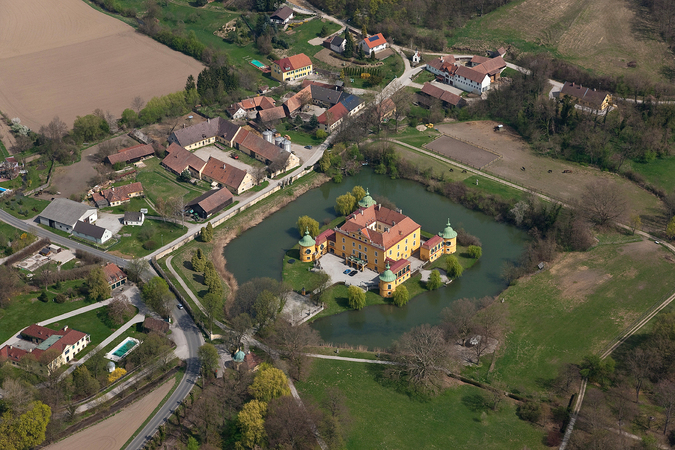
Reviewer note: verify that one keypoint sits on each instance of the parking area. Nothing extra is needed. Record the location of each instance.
(212, 151)
(335, 267)
(112, 222)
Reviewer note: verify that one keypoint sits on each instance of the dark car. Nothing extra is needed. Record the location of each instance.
(352, 273)
(308, 147)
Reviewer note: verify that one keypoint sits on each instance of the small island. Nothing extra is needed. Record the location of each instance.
(376, 248)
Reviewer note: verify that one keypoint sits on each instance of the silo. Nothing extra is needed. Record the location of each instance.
(278, 141)
(268, 136)
(287, 145)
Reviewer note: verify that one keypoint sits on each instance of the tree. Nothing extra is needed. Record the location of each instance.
(84, 383)
(198, 260)
(457, 319)
(452, 267)
(401, 296)
(670, 229)
(307, 223)
(212, 304)
(266, 307)
(206, 233)
(99, 289)
(423, 356)
(90, 127)
(602, 202)
(185, 176)
(137, 103)
(597, 370)
(530, 411)
(313, 122)
(16, 395)
(345, 204)
(26, 430)
(269, 383)
(137, 269)
(10, 282)
(251, 422)
(635, 223)
(665, 397)
(292, 341)
(324, 31)
(475, 251)
(640, 365)
(488, 324)
(240, 325)
(357, 297)
(157, 295)
(208, 356)
(434, 281)
(358, 193)
(290, 426)
(190, 83)
(129, 118)
(402, 100)
(349, 44)
(120, 310)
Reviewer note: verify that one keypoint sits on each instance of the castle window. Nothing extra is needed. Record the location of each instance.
(375, 252)
(343, 247)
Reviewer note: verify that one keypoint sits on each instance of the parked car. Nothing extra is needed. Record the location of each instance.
(234, 155)
(346, 271)
(352, 273)
(180, 306)
(308, 147)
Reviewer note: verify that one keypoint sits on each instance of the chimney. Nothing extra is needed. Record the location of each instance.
(208, 120)
(65, 328)
(183, 125)
(393, 223)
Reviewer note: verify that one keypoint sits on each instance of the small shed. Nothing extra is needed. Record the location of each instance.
(110, 367)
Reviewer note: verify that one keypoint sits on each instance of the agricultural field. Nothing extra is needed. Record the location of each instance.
(64, 59)
(577, 305)
(600, 35)
(385, 414)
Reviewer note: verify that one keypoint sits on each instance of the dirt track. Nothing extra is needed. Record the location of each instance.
(112, 433)
(67, 59)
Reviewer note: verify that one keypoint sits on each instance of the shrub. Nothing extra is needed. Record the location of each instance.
(475, 251)
(43, 297)
(150, 245)
(60, 298)
(116, 374)
(530, 411)
(463, 238)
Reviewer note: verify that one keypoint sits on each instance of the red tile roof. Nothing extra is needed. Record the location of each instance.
(441, 94)
(298, 99)
(121, 193)
(400, 225)
(491, 66)
(213, 201)
(224, 173)
(180, 159)
(479, 59)
(127, 154)
(333, 115)
(37, 332)
(396, 266)
(239, 138)
(113, 274)
(293, 62)
(375, 40)
(260, 146)
(328, 235)
(471, 73)
(12, 353)
(584, 93)
(272, 114)
(432, 242)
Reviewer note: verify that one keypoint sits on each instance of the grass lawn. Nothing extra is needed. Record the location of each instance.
(425, 76)
(159, 183)
(135, 204)
(298, 137)
(393, 67)
(95, 323)
(660, 172)
(26, 309)
(259, 187)
(156, 231)
(300, 35)
(384, 415)
(246, 159)
(11, 234)
(576, 306)
(24, 207)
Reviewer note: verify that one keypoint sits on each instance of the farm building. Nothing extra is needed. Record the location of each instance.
(282, 16)
(373, 44)
(386, 109)
(584, 96)
(91, 232)
(298, 100)
(257, 147)
(210, 203)
(273, 115)
(226, 175)
(179, 160)
(117, 195)
(353, 104)
(64, 214)
(331, 119)
(133, 218)
(203, 133)
(292, 67)
(474, 77)
(131, 154)
(249, 107)
(430, 93)
(337, 44)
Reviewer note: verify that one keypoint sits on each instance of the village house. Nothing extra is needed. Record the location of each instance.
(131, 154)
(298, 100)
(64, 214)
(324, 97)
(373, 44)
(209, 203)
(337, 44)
(331, 119)
(91, 232)
(179, 160)
(443, 67)
(584, 96)
(386, 109)
(205, 133)
(64, 344)
(282, 16)
(114, 275)
(475, 77)
(250, 107)
(226, 175)
(430, 93)
(133, 218)
(353, 104)
(266, 152)
(291, 68)
(117, 195)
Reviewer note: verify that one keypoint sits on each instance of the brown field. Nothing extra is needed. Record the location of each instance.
(564, 186)
(65, 58)
(602, 35)
(462, 152)
(112, 433)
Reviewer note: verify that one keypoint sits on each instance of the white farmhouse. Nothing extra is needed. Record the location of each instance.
(373, 44)
(63, 214)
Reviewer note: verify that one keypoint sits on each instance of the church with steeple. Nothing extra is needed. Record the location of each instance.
(380, 239)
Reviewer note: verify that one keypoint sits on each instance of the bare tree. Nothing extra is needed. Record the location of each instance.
(16, 395)
(423, 356)
(137, 104)
(402, 99)
(119, 310)
(105, 149)
(137, 268)
(602, 202)
(640, 365)
(291, 426)
(55, 130)
(279, 163)
(292, 341)
(112, 122)
(259, 174)
(457, 319)
(665, 396)
(489, 324)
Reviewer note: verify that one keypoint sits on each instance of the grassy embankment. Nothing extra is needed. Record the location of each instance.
(457, 418)
(576, 306)
(152, 231)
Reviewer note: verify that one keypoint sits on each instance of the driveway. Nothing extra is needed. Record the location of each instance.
(334, 266)
(112, 222)
(213, 151)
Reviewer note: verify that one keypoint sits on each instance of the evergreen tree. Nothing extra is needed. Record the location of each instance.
(349, 44)
(313, 122)
(190, 84)
(359, 53)
(198, 260)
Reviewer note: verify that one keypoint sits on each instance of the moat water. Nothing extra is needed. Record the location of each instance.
(259, 253)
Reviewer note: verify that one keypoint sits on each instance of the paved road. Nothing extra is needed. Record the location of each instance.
(194, 340)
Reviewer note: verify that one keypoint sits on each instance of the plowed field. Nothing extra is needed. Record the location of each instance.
(66, 59)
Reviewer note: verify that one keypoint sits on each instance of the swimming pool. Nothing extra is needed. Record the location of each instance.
(258, 64)
(123, 349)
(2, 189)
